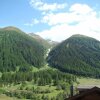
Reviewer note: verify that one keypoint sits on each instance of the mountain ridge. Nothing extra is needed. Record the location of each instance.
(44, 42)
(19, 49)
(78, 54)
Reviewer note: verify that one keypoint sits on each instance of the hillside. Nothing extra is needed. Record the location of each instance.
(40, 40)
(17, 49)
(78, 55)
(11, 28)
(46, 43)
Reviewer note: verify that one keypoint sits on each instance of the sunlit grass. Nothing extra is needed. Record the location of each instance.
(88, 81)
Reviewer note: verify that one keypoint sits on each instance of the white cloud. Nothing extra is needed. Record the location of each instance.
(75, 14)
(63, 31)
(33, 22)
(56, 33)
(52, 7)
(80, 19)
(45, 9)
(80, 9)
(42, 6)
(61, 18)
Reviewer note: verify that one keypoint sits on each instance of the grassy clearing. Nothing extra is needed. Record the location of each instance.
(47, 90)
(88, 81)
(53, 94)
(4, 97)
(30, 85)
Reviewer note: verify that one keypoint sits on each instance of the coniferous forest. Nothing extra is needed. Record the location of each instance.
(25, 73)
(78, 55)
(17, 49)
(32, 68)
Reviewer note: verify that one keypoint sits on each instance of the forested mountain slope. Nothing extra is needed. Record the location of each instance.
(78, 55)
(19, 49)
(40, 40)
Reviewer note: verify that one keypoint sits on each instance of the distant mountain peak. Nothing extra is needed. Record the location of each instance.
(47, 43)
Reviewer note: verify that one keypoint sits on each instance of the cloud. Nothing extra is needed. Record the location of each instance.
(63, 31)
(45, 9)
(76, 13)
(32, 23)
(56, 33)
(61, 18)
(80, 19)
(42, 6)
(80, 9)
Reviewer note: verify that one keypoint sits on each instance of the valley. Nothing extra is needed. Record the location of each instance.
(32, 68)
(47, 84)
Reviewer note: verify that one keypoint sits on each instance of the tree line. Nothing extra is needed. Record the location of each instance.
(43, 77)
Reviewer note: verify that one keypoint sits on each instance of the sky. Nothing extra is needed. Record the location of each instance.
(52, 19)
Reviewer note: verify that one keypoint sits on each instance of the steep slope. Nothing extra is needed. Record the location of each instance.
(40, 40)
(46, 43)
(78, 55)
(19, 49)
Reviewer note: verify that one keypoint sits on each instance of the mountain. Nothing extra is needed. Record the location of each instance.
(40, 40)
(17, 49)
(78, 54)
(11, 28)
(46, 43)
(52, 43)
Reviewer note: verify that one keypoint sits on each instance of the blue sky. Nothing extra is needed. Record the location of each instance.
(52, 19)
